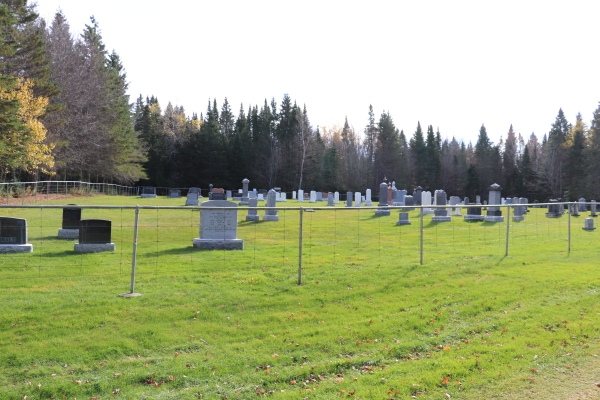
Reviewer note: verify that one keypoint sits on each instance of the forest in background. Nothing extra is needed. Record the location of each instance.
(65, 114)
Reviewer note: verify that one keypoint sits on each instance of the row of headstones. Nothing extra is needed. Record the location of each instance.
(94, 234)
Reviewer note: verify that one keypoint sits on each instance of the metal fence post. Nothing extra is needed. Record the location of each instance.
(569, 226)
(507, 227)
(421, 240)
(300, 247)
(133, 256)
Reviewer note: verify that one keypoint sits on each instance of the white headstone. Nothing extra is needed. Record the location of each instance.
(336, 197)
(368, 201)
(357, 199)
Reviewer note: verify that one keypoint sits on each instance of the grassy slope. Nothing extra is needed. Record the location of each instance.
(368, 321)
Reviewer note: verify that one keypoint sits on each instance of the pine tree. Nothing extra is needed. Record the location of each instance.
(592, 157)
(418, 152)
(574, 167)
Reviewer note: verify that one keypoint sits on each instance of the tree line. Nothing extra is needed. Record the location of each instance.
(65, 112)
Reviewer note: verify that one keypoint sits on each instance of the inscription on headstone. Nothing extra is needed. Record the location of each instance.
(13, 236)
(218, 227)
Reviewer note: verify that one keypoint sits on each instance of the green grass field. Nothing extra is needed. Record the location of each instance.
(368, 322)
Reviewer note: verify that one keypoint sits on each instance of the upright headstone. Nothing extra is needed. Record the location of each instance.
(300, 195)
(293, 195)
(477, 199)
(252, 212)
(440, 213)
(319, 196)
(245, 196)
(313, 196)
(283, 196)
(148, 192)
(357, 199)
(336, 197)
(330, 200)
(70, 223)
(94, 236)
(494, 214)
(197, 191)
(455, 202)
(409, 202)
(13, 236)
(261, 197)
(253, 193)
(417, 195)
(390, 196)
(218, 226)
(588, 224)
(218, 194)
(368, 200)
(383, 209)
(518, 211)
(593, 208)
(191, 199)
(403, 219)
(582, 206)
(574, 209)
(271, 215)
(473, 212)
(426, 202)
(400, 194)
(174, 193)
(554, 209)
(348, 199)
(228, 194)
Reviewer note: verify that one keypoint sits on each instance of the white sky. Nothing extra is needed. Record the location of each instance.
(451, 64)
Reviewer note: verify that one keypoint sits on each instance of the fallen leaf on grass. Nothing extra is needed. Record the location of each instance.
(445, 380)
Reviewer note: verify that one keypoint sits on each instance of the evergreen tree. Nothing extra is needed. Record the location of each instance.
(592, 156)
(387, 152)
(432, 162)
(418, 152)
(574, 167)
(483, 154)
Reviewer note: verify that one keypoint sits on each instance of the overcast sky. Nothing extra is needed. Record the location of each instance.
(451, 64)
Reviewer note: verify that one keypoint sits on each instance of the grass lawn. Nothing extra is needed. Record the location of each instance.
(368, 322)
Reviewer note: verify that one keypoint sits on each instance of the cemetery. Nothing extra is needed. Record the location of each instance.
(421, 297)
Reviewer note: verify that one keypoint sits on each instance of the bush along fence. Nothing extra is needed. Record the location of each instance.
(27, 192)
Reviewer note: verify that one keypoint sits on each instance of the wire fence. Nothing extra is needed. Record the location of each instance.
(306, 243)
(33, 192)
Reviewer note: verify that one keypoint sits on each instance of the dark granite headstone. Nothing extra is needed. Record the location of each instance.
(94, 231)
(13, 230)
(71, 217)
(148, 190)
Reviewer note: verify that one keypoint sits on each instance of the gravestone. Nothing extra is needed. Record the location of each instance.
(440, 213)
(252, 213)
(574, 209)
(494, 214)
(390, 196)
(330, 202)
(174, 193)
(197, 191)
(300, 195)
(260, 197)
(271, 215)
(70, 223)
(589, 224)
(228, 194)
(148, 192)
(348, 199)
(524, 200)
(13, 236)
(293, 195)
(473, 212)
(218, 227)
(593, 208)
(357, 199)
(400, 194)
(283, 196)
(218, 194)
(478, 199)
(368, 200)
(403, 219)
(417, 195)
(319, 196)
(425, 202)
(253, 193)
(582, 206)
(324, 195)
(313, 196)
(191, 199)
(554, 210)
(518, 211)
(94, 236)
(409, 201)
(382, 210)
(455, 201)
(245, 196)
(336, 197)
